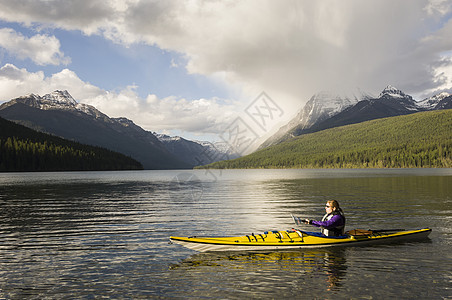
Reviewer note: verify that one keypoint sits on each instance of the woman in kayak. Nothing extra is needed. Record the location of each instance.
(333, 222)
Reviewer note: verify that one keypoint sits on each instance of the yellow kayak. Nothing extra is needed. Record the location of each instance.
(296, 239)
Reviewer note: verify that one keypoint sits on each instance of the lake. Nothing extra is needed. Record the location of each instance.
(105, 234)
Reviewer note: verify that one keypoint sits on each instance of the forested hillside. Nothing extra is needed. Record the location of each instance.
(413, 141)
(23, 149)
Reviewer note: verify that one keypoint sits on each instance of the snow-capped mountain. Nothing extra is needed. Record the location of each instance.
(395, 96)
(57, 97)
(438, 101)
(222, 148)
(391, 102)
(325, 111)
(59, 114)
(196, 153)
(432, 102)
(57, 100)
(394, 92)
(166, 138)
(445, 103)
(321, 106)
(60, 100)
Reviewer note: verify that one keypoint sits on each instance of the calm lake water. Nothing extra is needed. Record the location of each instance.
(105, 234)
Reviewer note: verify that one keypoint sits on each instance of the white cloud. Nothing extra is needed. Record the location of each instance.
(292, 49)
(15, 82)
(42, 49)
(89, 16)
(171, 114)
(200, 116)
(441, 7)
(288, 50)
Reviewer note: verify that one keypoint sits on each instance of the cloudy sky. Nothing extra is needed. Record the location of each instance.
(191, 67)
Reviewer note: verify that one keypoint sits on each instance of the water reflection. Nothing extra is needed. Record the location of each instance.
(56, 215)
(328, 267)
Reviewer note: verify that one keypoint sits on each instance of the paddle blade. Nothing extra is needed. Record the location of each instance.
(297, 220)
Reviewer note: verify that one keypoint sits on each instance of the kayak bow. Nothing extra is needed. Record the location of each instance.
(296, 239)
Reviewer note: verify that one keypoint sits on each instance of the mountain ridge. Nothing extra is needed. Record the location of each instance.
(59, 114)
(390, 102)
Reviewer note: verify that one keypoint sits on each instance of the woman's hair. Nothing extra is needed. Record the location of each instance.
(334, 203)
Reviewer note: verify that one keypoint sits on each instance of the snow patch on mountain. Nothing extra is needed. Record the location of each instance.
(432, 102)
(197, 152)
(393, 92)
(124, 121)
(395, 95)
(61, 100)
(327, 103)
(321, 106)
(60, 97)
(220, 147)
(166, 138)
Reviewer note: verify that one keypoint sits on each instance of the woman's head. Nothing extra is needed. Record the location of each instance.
(332, 205)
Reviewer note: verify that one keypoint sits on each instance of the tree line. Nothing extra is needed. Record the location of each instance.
(23, 149)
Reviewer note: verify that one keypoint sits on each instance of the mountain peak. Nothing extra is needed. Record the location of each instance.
(433, 101)
(394, 92)
(60, 97)
(57, 100)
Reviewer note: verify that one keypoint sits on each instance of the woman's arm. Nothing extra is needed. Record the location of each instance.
(335, 221)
